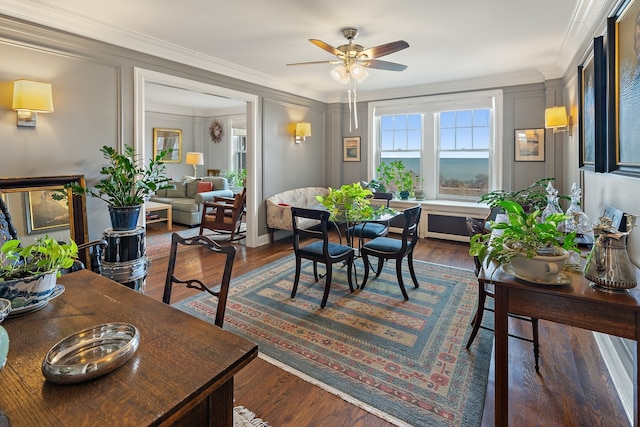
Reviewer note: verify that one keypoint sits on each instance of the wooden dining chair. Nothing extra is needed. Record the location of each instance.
(320, 251)
(227, 251)
(475, 226)
(385, 248)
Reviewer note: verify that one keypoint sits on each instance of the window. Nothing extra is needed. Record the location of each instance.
(240, 149)
(450, 142)
(463, 152)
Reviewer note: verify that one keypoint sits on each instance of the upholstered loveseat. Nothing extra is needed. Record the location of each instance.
(279, 206)
(187, 198)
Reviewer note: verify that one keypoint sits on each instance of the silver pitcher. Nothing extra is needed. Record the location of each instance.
(608, 265)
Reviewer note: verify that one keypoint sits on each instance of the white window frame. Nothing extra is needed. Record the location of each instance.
(428, 105)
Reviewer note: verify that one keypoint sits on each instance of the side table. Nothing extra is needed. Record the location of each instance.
(159, 207)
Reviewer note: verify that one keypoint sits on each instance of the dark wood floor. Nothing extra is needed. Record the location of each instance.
(572, 389)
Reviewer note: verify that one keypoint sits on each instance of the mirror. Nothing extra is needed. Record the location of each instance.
(34, 213)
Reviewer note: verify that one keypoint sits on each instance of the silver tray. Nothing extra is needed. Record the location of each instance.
(90, 353)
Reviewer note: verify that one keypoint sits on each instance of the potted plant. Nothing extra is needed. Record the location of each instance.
(126, 184)
(526, 236)
(28, 274)
(394, 176)
(531, 198)
(349, 203)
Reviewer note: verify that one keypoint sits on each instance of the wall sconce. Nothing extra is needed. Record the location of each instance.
(556, 118)
(302, 131)
(29, 98)
(193, 158)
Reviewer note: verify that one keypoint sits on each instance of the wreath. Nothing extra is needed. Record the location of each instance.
(215, 131)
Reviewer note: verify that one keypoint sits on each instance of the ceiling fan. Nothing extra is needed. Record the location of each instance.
(354, 56)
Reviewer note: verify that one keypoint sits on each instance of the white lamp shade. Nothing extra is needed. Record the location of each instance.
(555, 117)
(32, 96)
(358, 72)
(193, 158)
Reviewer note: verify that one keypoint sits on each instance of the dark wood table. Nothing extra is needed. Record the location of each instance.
(181, 374)
(575, 304)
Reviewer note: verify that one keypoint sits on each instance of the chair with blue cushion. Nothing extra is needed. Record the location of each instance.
(320, 251)
(385, 248)
(371, 229)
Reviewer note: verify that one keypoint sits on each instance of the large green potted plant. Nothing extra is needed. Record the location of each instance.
(28, 274)
(526, 237)
(394, 177)
(348, 203)
(125, 184)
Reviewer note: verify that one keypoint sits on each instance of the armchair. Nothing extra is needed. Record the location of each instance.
(224, 214)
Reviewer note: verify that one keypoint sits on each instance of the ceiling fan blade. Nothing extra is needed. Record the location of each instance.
(383, 65)
(316, 62)
(325, 46)
(385, 49)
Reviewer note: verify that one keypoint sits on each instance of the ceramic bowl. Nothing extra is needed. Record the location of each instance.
(5, 308)
(28, 291)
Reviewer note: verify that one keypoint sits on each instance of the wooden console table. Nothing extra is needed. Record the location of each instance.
(575, 304)
(181, 374)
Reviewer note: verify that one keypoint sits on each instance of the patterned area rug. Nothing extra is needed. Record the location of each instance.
(403, 360)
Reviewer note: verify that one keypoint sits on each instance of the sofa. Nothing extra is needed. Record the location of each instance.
(279, 207)
(189, 194)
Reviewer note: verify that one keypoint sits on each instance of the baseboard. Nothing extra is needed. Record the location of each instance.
(620, 366)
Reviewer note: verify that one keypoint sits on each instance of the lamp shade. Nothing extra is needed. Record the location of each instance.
(32, 96)
(340, 74)
(193, 158)
(555, 117)
(303, 129)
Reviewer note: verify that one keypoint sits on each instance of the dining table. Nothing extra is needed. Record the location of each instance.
(181, 373)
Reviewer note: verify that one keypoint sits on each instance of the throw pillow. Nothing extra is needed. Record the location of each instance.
(204, 186)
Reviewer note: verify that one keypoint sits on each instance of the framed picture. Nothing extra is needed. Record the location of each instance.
(44, 213)
(170, 140)
(592, 84)
(529, 145)
(623, 33)
(351, 147)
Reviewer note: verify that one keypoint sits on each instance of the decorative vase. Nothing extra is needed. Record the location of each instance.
(404, 195)
(5, 309)
(419, 194)
(28, 290)
(124, 218)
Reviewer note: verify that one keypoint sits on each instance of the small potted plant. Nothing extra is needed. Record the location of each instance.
(28, 274)
(530, 198)
(125, 184)
(535, 249)
(394, 176)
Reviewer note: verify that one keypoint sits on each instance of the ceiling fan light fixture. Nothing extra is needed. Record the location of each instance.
(358, 72)
(340, 74)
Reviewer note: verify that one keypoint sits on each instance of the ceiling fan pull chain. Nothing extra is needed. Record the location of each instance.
(350, 112)
(355, 107)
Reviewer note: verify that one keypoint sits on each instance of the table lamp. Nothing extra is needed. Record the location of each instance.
(194, 159)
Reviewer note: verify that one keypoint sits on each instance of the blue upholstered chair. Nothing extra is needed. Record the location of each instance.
(371, 229)
(320, 251)
(385, 248)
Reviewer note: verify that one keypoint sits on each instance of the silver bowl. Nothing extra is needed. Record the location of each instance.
(90, 353)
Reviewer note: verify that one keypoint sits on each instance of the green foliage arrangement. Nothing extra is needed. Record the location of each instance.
(126, 181)
(45, 255)
(525, 234)
(393, 176)
(532, 197)
(350, 202)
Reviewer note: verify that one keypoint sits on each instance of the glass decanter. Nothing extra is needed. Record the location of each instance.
(579, 221)
(552, 202)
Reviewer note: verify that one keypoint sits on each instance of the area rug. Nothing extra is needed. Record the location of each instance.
(242, 417)
(403, 360)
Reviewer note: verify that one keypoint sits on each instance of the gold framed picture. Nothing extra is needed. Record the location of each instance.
(351, 146)
(45, 213)
(169, 140)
